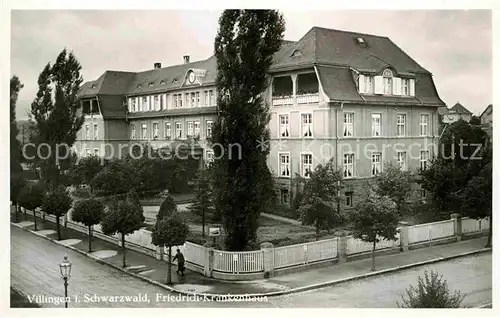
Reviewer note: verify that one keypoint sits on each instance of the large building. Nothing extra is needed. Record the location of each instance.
(355, 97)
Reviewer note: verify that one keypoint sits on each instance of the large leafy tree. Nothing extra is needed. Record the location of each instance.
(374, 219)
(15, 146)
(431, 292)
(31, 197)
(244, 47)
(117, 177)
(202, 205)
(476, 198)
(395, 184)
(86, 169)
(123, 217)
(88, 212)
(167, 208)
(55, 114)
(170, 231)
(57, 202)
(320, 197)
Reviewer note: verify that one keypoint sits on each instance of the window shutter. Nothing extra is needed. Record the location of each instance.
(379, 85)
(396, 87)
(412, 87)
(361, 81)
(140, 103)
(130, 105)
(164, 101)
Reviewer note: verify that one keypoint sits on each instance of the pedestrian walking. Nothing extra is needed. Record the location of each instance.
(180, 262)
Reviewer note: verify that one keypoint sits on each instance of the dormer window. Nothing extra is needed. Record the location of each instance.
(139, 86)
(150, 84)
(175, 80)
(387, 75)
(296, 53)
(92, 86)
(162, 82)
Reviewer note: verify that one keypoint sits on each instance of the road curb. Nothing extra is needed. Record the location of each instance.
(269, 294)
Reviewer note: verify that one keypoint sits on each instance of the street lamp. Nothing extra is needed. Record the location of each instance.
(65, 268)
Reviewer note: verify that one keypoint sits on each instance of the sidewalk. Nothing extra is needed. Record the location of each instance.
(153, 269)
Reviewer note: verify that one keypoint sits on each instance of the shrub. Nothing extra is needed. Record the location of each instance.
(81, 192)
(431, 292)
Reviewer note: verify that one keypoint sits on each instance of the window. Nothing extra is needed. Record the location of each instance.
(284, 165)
(87, 152)
(96, 132)
(348, 165)
(401, 125)
(190, 129)
(132, 131)
(209, 128)
(155, 131)
(376, 125)
(168, 130)
(197, 129)
(424, 156)
(206, 101)
(405, 87)
(145, 106)
(402, 160)
(87, 132)
(197, 99)
(376, 166)
(210, 156)
(96, 151)
(157, 102)
(369, 84)
(180, 100)
(284, 127)
(307, 125)
(306, 165)
(284, 196)
(348, 199)
(144, 134)
(212, 97)
(424, 120)
(348, 124)
(178, 130)
(387, 82)
(193, 99)
(134, 104)
(174, 98)
(423, 193)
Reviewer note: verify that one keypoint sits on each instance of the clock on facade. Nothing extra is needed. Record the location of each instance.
(191, 77)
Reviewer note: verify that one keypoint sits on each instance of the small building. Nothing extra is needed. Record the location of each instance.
(459, 111)
(487, 120)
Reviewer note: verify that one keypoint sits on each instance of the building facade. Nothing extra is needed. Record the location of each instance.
(487, 120)
(354, 97)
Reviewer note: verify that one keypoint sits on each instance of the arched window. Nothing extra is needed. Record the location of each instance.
(387, 82)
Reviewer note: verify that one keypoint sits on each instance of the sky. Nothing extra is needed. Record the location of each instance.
(456, 46)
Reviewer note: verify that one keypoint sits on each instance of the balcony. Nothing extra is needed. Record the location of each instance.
(297, 89)
(310, 98)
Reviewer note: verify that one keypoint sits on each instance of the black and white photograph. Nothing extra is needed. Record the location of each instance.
(248, 157)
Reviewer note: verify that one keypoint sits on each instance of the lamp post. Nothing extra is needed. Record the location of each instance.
(65, 268)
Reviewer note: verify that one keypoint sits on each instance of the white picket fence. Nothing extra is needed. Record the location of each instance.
(356, 246)
(238, 262)
(470, 225)
(194, 253)
(430, 231)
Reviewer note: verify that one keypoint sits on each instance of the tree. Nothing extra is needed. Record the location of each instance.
(170, 231)
(475, 121)
(202, 204)
(374, 219)
(31, 198)
(167, 208)
(319, 205)
(117, 177)
(55, 114)
(395, 184)
(17, 183)
(57, 202)
(15, 145)
(86, 170)
(476, 198)
(431, 292)
(88, 212)
(244, 48)
(123, 217)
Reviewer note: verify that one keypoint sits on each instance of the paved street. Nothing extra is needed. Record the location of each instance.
(34, 271)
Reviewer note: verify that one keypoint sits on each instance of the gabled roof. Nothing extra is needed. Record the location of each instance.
(490, 106)
(443, 110)
(459, 109)
(341, 48)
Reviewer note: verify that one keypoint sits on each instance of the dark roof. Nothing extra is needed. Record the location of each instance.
(339, 85)
(460, 109)
(490, 106)
(112, 106)
(335, 47)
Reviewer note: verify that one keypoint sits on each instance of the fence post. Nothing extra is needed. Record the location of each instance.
(342, 247)
(404, 236)
(208, 262)
(457, 226)
(268, 259)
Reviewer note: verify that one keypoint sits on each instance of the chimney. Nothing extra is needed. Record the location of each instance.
(186, 59)
(157, 65)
